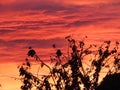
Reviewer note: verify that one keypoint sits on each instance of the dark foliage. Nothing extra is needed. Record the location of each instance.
(110, 82)
(69, 72)
(31, 52)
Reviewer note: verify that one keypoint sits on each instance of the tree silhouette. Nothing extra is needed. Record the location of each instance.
(69, 72)
(110, 82)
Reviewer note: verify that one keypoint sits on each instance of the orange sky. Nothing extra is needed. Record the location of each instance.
(40, 23)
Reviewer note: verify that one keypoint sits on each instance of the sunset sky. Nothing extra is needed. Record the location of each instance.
(41, 23)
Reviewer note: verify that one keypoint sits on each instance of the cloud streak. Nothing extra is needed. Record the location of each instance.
(40, 23)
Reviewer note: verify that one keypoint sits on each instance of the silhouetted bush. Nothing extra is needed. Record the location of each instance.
(110, 82)
(71, 73)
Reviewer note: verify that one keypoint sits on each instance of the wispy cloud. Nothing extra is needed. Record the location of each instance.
(40, 23)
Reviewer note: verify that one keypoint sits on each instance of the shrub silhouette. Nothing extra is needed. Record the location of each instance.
(69, 71)
(110, 82)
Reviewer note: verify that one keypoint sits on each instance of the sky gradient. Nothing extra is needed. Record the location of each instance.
(41, 23)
